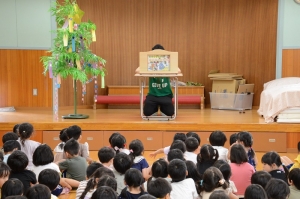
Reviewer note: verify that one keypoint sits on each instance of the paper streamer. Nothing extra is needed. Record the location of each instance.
(81, 42)
(96, 89)
(50, 70)
(78, 64)
(83, 92)
(66, 24)
(56, 99)
(70, 24)
(102, 80)
(93, 35)
(73, 44)
(65, 39)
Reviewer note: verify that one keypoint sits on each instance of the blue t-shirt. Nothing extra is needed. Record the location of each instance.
(140, 163)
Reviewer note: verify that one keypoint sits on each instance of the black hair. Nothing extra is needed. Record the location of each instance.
(160, 168)
(38, 191)
(255, 191)
(238, 154)
(232, 139)
(294, 175)
(207, 153)
(16, 129)
(74, 132)
(93, 182)
(133, 177)
(261, 178)
(1, 156)
(178, 144)
(177, 170)
(225, 169)
(72, 147)
(273, 157)
(4, 170)
(10, 145)
(9, 136)
(247, 140)
(25, 131)
(11, 187)
(147, 196)
(63, 136)
(217, 138)
(105, 154)
(118, 142)
(42, 155)
(136, 148)
(158, 46)
(175, 154)
(193, 174)
(122, 162)
(194, 135)
(16, 197)
(191, 144)
(277, 189)
(159, 187)
(212, 179)
(179, 136)
(298, 146)
(17, 161)
(92, 168)
(104, 192)
(219, 194)
(50, 178)
(107, 181)
(111, 136)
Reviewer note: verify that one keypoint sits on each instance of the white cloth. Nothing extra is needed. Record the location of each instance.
(38, 169)
(232, 187)
(126, 151)
(81, 188)
(28, 148)
(223, 152)
(190, 156)
(57, 149)
(184, 189)
(167, 150)
(5, 157)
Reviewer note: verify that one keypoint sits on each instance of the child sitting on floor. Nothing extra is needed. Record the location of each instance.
(261, 177)
(50, 178)
(218, 139)
(38, 191)
(118, 143)
(255, 191)
(12, 187)
(294, 182)
(4, 173)
(122, 162)
(192, 146)
(160, 188)
(136, 149)
(9, 147)
(206, 158)
(106, 156)
(9, 136)
(59, 149)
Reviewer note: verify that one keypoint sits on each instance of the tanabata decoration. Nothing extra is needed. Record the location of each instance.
(70, 54)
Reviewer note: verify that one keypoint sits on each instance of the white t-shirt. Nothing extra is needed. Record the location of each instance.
(38, 169)
(28, 148)
(190, 156)
(167, 150)
(184, 189)
(222, 152)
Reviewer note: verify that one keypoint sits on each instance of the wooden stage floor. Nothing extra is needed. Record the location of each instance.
(130, 119)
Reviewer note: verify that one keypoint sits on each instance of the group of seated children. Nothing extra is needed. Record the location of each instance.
(188, 171)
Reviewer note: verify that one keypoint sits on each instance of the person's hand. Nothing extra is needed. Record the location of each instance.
(152, 155)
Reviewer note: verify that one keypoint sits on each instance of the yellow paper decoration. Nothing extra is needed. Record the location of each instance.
(78, 14)
(70, 23)
(65, 38)
(93, 35)
(78, 64)
(70, 50)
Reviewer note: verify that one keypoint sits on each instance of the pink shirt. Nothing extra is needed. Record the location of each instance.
(241, 176)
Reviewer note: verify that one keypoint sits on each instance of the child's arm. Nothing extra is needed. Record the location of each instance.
(232, 196)
(69, 183)
(153, 154)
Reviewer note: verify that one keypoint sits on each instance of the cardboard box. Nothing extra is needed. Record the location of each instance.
(227, 86)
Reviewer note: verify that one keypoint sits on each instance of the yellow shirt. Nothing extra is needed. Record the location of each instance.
(296, 163)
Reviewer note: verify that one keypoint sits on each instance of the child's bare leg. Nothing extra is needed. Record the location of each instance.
(69, 183)
(286, 161)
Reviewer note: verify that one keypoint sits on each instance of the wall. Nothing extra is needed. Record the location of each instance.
(228, 35)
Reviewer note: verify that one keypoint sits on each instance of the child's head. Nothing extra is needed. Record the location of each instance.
(245, 138)
(136, 148)
(179, 136)
(192, 171)
(294, 177)
(104, 192)
(25, 131)
(92, 168)
(160, 168)
(232, 139)
(158, 47)
(71, 147)
(42, 155)
(118, 142)
(63, 136)
(106, 154)
(217, 138)
(255, 191)
(17, 161)
(11, 145)
(207, 153)
(191, 144)
(225, 169)
(218, 194)
(177, 170)
(74, 132)
(178, 144)
(50, 178)
(277, 189)
(111, 136)
(271, 161)
(12, 187)
(38, 191)
(212, 179)
(9, 136)
(16, 197)
(238, 154)
(194, 135)
(107, 180)
(261, 178)
(175, 154)
(122, 162)
(160, 188)
(133, 178)
(4, 173)
(16, 129)
(147, 196)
